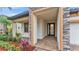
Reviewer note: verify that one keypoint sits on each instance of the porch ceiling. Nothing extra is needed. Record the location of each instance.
(50, 13)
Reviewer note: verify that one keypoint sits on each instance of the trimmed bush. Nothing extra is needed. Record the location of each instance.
(3, 37)
(14, 39)
(18, 37)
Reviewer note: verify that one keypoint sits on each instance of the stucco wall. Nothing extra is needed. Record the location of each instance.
(14, 29)
(41, 29)
(58, 31)
(19, 27)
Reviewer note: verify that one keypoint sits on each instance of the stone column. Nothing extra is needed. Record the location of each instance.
(14, 29)
(33, 27)
(30, 22)
(66, 38)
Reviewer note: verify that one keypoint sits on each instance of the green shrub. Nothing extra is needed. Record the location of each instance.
(18, 37)
(3, 37)
(9, 37)
(8, 46)
(14, 39)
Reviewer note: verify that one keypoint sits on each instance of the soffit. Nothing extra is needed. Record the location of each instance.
(50, 13)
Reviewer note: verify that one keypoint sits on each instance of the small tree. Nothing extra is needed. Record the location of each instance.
(5, 21)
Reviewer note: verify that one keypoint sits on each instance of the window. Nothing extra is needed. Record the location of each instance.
(26, 27)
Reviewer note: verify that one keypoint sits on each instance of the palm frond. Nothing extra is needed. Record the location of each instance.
(4, 20)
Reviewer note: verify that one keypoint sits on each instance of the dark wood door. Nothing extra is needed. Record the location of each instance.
(51, 29)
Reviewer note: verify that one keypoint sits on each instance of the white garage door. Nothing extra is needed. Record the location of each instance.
(74, 33)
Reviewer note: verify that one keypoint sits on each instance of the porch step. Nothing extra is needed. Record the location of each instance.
(45, 49)
(40, 49)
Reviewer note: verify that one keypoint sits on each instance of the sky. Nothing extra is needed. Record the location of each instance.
(13, 11)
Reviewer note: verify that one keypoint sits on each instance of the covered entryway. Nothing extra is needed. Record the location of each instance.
(46, 27)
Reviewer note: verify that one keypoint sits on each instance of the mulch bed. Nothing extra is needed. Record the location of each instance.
(29, 48)
(15, 44)
(2, 49)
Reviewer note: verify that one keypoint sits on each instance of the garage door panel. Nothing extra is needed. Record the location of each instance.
(74, 33)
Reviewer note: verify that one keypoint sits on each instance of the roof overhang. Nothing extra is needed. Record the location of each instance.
(24, 14)
(21, 20)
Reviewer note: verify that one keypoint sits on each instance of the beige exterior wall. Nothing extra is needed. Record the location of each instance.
(14, 29)
(33, 29)
(40, 28)
(18, 26)
(58, 31)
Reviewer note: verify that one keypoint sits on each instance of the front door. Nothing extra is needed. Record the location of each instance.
(51, 29)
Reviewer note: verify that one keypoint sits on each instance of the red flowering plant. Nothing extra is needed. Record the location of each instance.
(24, 44)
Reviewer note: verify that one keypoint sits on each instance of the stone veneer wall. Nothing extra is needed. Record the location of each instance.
(66, 38)
(30, 13)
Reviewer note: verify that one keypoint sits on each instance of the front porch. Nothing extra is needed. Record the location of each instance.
(48, 43)
(45, 29)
